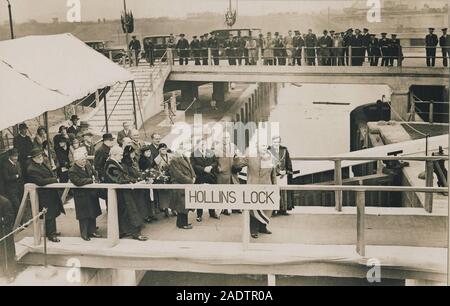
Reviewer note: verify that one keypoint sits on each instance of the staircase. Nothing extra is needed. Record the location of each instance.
(149, 82)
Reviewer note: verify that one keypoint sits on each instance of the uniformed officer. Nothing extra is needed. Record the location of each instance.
(213, 44)
(230, 51)
(183, 50)
(395, 50)
(358, 49)
(311, 43)
(348, 42)
(444, 42)
(365, 42)
(204, 49)
(384, 47)
(195, 47)
(431, 41)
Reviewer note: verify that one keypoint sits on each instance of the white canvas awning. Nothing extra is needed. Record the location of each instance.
(44, 73)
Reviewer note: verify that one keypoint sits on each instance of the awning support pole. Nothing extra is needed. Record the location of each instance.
(48, 137)
(106, 111)
(133, 89)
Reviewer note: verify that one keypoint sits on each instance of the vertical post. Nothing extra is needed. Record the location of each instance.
(110, 55)
(97, 99)
(170, 56)
(22, 206)
(260, 59)
(106, 112)
(431, 112)
(350, 56)
(48, 137)
(413, 110)
(429, 170)
(271, 280)
(360, 223)
(210, 62)
(379, 167)
(113, 218)
(34, 199)
(246, 229)
(173, 103)
(338, 181)
(133, 89)
(11, 29)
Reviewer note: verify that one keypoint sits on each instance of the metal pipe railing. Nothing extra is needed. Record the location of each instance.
(113, 223)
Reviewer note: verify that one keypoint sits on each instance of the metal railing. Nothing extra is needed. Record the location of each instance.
(31, 191)
(312, 55)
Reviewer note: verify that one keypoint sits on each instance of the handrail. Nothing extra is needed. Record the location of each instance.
(370, 158)
(310, 187)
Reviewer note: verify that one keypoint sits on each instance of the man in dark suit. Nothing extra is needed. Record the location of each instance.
(325, 43)
(183, 50)
(384, 43)
(87, 205)
(204, 162)
(213, 43)
(431, 41)
(135, 47)
(444, 43)
(357, 49)
(230, 50)
(395, 49)
(13, 179)
(283, 167)
(41, 175)
(126, 132)
(181, 172)
(8, 266)
(154, 146)
(348, 42)
(102, 154)
(196, 52)
(22, 142)
(298, 43)
(74, 129)
(365, 43)
(310, 44)
(204, 49)
(373, 50)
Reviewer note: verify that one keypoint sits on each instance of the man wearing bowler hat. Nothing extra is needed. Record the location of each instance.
(74, 129)
(40, 174)
(22, 142)
(444, 42)
(431, 41)
(13, 179)
(102, 154)
(183, 50)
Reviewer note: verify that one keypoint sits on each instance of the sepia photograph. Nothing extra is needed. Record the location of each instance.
(224, 148)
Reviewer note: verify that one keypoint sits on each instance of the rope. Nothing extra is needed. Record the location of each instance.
(23, 226)
(405, 122)
(193, 101)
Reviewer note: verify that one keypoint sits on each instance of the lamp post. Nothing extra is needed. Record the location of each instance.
(10, 20)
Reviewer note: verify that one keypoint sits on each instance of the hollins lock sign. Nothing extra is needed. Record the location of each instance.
(263, 197)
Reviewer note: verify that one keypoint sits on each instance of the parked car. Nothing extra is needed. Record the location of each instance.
(160, 44)
(222, 35)
(115, 53)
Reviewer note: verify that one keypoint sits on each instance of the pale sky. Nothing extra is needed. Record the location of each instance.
(91, 10)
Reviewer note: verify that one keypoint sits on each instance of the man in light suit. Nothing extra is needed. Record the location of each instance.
(126, 132)
(228, 157)
(181, 172)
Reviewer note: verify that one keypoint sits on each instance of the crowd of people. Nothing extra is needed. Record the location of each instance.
(349, 48)
(126, 159)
